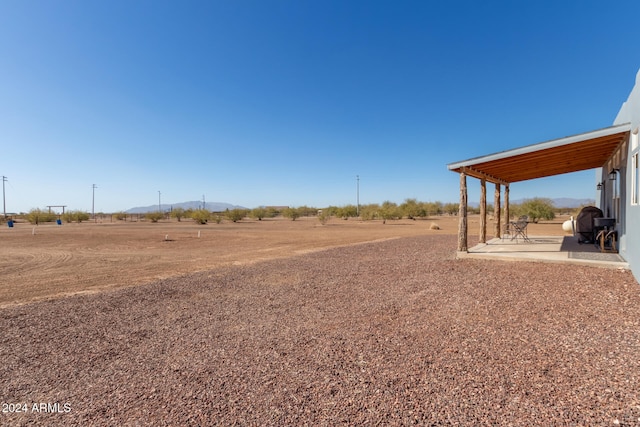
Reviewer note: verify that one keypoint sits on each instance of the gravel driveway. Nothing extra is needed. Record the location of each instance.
(396, 332)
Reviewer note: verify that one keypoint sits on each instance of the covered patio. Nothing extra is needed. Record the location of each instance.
(554, 249)
(575, 153)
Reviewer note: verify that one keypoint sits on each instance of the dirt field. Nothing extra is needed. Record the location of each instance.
(391, 332)
(88, 257)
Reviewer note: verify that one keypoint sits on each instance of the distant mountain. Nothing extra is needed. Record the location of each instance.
(565, 202)
(561, 202)
(212, 206)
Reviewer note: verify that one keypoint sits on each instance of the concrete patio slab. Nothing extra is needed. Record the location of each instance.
(558, 249)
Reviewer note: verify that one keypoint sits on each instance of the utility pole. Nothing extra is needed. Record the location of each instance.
(4, 203)
(93, 202)
(159, 204)
(204, 204)
(357, 195)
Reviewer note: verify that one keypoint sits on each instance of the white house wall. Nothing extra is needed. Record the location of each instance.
(629, 228)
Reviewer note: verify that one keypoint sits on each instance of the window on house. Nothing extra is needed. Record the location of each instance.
(635, 181)
(635, 177)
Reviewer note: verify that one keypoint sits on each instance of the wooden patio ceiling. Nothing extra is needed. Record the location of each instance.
(571, 154)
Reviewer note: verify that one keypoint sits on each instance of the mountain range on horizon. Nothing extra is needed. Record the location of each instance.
(565, 202)
(197, 204)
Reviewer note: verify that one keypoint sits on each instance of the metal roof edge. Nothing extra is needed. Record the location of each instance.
(611, 130)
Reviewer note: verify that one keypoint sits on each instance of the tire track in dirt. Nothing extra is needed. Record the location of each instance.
(23, 262)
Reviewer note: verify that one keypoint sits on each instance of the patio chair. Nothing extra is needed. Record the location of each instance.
(519, 228)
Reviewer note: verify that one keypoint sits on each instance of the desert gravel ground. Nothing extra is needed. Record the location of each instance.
(394, 332)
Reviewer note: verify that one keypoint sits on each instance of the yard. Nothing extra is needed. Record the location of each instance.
(293, 323)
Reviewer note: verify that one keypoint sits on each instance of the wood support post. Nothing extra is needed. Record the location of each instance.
(507, 215)
(483, 211)
(462, 214)
(496, 212)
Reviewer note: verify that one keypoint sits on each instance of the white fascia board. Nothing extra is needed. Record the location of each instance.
(599, 133)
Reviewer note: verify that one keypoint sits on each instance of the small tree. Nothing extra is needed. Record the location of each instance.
(68, 216)
(389, 210)
(536, 209)
(349, 211)
(178, 213)
(291, 213)
(77, 216)
(235, 215)
(307, 211)
(411, 208)
(258, 213)
(434, 208)
(451, 208)
(324, 216)
(201, 216)
(370, 211)
(154, 216)
(36, 216)
(271, 213)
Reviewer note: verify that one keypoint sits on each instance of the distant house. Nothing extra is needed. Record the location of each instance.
(612, 152)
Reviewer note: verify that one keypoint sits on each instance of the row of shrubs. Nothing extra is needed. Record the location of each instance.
(37, 216)
(536, 208)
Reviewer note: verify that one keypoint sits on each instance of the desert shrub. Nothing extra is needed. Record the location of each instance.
(348, 211)
(154, 216)
(536, 209)
(258, 213)
(434, 208)
(324, 216)
(76, 215)
(272, 213)
(331, 210)
(451, 208)
(370, 211)
(68, 216)
(178, 213)
(291, 213)
(201, 216)
(235, 215)
(120, 216)
(307, 211)
(37, 216)
(390, 210)
(82, 216)
(412, 209)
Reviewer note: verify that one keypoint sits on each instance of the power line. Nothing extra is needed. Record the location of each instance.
(93, 202)
(357, 195)
(4, 203)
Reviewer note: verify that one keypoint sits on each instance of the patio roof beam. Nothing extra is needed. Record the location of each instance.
(481, 175)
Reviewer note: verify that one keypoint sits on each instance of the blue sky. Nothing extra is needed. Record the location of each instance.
(285, 102)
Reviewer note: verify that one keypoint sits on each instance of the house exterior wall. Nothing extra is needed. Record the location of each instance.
(629, 226)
